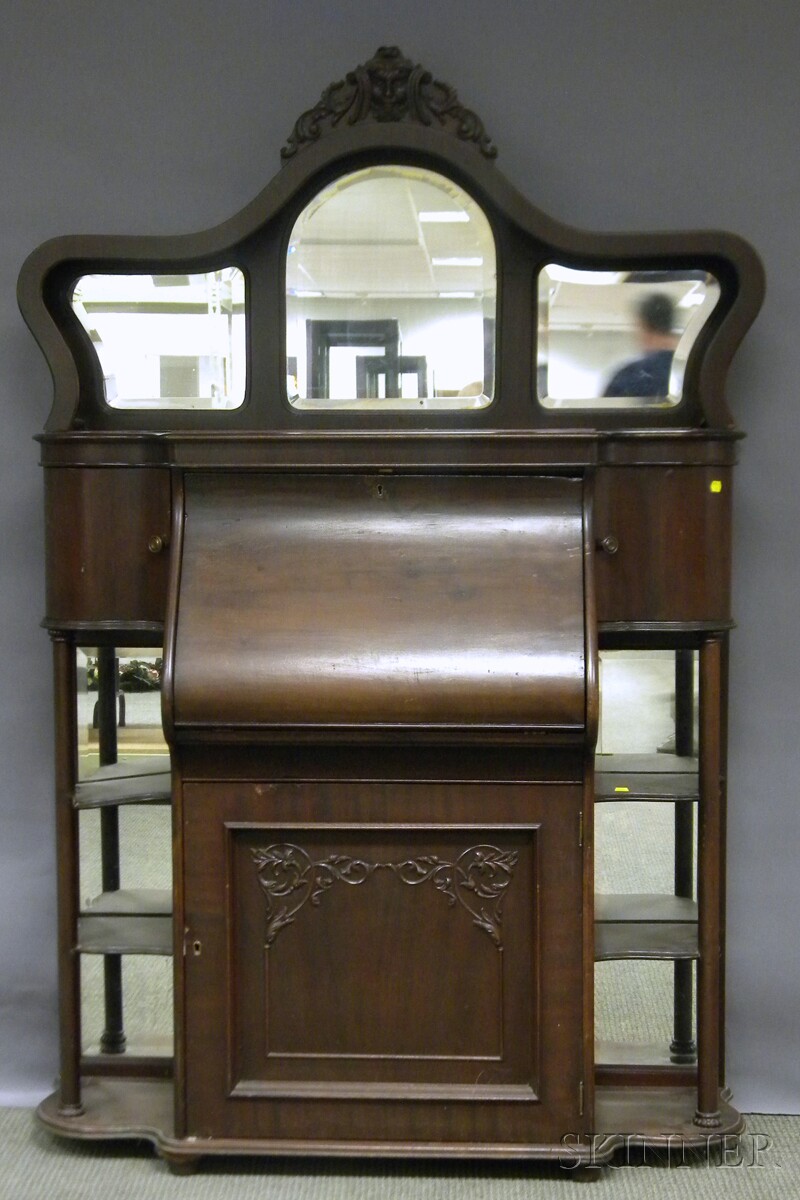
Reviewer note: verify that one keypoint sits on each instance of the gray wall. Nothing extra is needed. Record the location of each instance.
(165, 116)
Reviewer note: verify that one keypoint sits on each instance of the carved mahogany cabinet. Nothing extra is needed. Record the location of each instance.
(369, 474)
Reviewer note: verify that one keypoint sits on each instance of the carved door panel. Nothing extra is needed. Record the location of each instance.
(383, 962)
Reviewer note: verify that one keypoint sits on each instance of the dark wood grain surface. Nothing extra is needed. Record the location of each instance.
(99, 523)
(344, 978)
(363, 600)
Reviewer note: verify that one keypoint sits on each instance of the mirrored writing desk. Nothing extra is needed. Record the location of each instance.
(361, 482)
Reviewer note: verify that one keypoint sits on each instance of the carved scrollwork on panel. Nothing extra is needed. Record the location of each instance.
(477, 880)
(389, 88)
(482, 875)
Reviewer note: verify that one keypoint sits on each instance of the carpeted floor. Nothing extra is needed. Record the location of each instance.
(34, 1165)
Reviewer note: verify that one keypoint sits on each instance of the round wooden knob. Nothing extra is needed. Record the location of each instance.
(608, 544)
(156, 544)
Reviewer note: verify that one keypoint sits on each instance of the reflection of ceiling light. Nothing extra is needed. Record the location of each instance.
(571, 275)
(306, 294)
(456, 295)
(694, 297)
(443, 217)
(457, 261)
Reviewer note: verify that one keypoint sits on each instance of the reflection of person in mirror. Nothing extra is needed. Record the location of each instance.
(649, 374)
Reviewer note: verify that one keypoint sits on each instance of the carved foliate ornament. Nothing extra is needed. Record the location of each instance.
(389, 88)
(477, 880)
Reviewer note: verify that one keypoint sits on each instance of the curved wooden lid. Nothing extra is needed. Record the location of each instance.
(381, 605)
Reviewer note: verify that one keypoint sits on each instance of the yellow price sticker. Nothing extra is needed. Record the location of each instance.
(623, 789)
(716, 485)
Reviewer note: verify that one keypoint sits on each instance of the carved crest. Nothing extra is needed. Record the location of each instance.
(389, 88)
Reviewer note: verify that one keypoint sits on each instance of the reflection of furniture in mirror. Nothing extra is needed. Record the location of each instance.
(392, 244)
(381, 376)
(381, 614)
(323, 336)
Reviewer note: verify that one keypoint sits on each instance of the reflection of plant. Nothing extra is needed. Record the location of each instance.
(136, 675)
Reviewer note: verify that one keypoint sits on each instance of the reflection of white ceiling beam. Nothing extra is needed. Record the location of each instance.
(393, 295)
(347, 243)
(588, 327)
(455, 216)
(422, 240)
(573, 275)
(302, 270)
(457, 260)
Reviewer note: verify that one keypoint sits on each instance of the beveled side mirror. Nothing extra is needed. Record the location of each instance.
(167, 341)
(618, 339)
(391, 295)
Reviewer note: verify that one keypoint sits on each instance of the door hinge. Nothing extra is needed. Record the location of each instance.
(580, 1099)
(580, 829)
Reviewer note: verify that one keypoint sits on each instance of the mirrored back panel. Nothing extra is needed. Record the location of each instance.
(391, 295)
(618, 339)
(167, 341)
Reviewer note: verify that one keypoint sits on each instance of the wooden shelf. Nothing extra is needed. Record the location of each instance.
(618, 940)
(135, 902)
(144, 1110)
(145, 781)
(125, 935)
(644, 908)
(645, 926)
(646, 777)
(624, 1055)
(127, 922)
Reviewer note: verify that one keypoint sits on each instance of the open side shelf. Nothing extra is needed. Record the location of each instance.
(124, 934)
(135, 902)
(146, 781)
(646, 777)
(127, 922)
(614, 940)
(621, 1056)
(641, 908)
(645, 926)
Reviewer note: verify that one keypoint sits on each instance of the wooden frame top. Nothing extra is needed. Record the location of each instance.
(387, 111)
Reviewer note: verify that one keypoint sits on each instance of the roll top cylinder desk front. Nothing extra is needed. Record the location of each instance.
(371, 473)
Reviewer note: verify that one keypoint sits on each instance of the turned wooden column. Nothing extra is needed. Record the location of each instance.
(67, 874)
(710, 884)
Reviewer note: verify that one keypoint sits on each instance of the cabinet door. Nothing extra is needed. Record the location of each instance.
(383, 963)
(107, 529)
(672, 527)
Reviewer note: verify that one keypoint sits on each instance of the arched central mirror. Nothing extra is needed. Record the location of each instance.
(391, 295)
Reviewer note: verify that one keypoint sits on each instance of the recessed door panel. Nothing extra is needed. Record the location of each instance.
(407, 978)
(339, 940)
